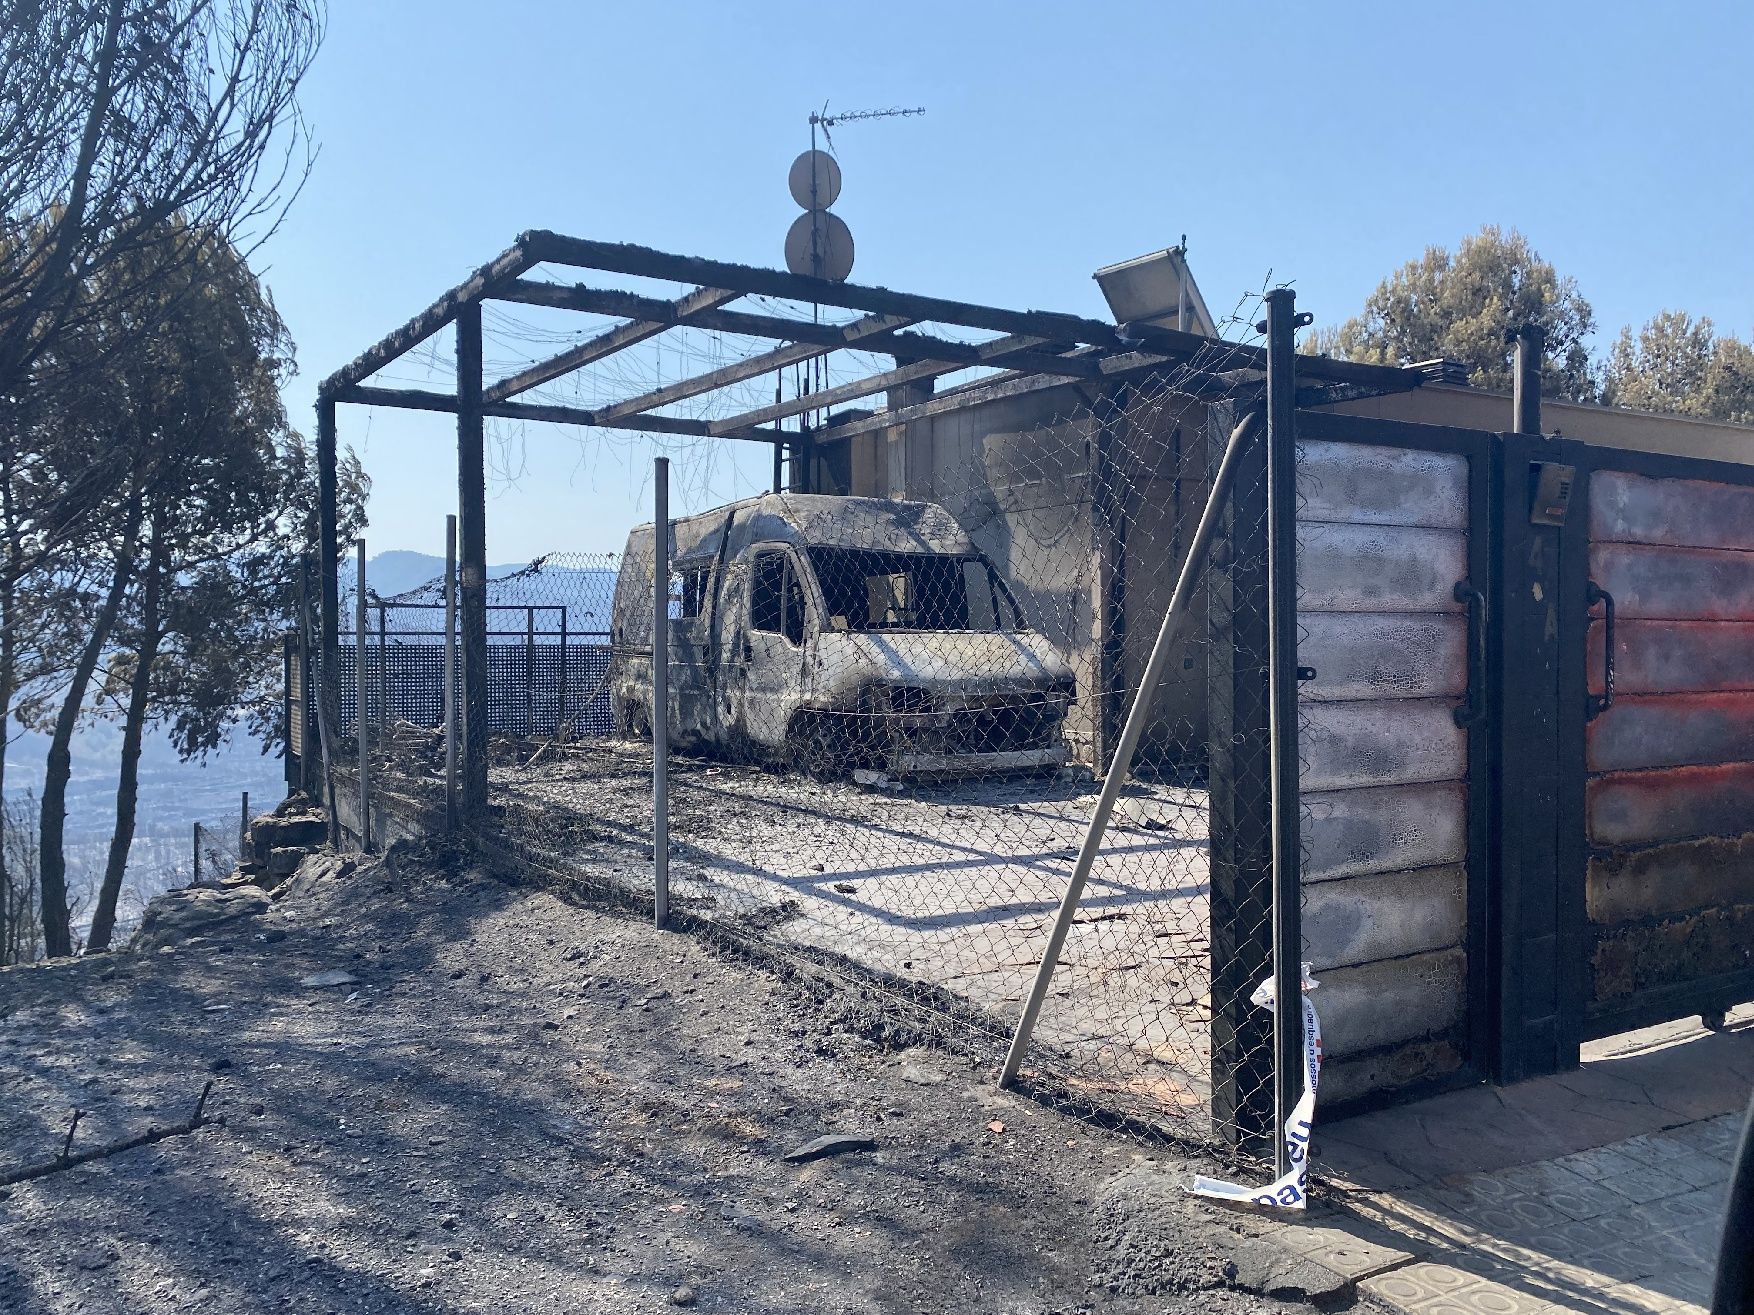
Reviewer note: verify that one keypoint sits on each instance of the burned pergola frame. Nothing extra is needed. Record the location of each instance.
(1035, 349)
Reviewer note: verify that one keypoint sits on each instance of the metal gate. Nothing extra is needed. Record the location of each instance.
(1394, 569)
(1528, 747)
(1658, 682)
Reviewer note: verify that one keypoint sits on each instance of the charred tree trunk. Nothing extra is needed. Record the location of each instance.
(103, 918)
(52, 855)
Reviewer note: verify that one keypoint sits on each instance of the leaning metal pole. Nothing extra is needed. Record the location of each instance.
(360, 686)
(1134, 729)
(1282, 674)
(660, 690)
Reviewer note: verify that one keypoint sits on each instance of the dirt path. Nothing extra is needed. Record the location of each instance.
(527, 1106)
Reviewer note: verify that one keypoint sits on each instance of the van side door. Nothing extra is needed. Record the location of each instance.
(774, 646)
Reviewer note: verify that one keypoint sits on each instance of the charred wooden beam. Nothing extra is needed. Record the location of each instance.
(508, 265)
(1013, 352)
(904, 345)
(974, 394)
(750, 368)
(622, 336)
(622, 258)
(1216, 354)
(415, 399)
(826, 397)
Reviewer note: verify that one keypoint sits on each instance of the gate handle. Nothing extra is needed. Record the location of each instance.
(1473, 707)
(1600, 703)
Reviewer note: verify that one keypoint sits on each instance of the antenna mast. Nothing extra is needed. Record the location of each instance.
(819, 243)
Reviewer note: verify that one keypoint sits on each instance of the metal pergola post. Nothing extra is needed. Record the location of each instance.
(360, 703)
(329, 605)
(660, 691)
(472, 563)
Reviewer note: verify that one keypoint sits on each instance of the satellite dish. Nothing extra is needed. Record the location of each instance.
(820, 244)
(814, 180)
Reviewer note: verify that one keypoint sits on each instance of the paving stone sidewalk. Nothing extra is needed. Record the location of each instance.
(1597, 1191)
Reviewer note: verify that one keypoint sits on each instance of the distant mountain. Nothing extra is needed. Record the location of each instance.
(398, 571)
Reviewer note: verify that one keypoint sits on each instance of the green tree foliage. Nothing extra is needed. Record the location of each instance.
(1681, 365)
(137, 137)
(1464, 305)
(219, 500)
(203, 406)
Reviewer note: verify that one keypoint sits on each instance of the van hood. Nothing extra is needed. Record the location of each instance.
(958, 661)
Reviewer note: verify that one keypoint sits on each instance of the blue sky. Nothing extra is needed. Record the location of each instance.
(1324, 145)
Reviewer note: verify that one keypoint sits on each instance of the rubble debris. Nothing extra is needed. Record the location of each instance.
(179, 916)
(329, 977)
(830, 1144)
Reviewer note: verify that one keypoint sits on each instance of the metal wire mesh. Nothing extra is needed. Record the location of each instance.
(892, 699)
(215, 851)
(890, 708)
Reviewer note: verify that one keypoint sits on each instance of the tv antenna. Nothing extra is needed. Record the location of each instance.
(819, 243)
(827, 120)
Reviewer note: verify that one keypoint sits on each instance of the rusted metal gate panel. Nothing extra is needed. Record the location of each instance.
(1392, 643)
(1668, 739)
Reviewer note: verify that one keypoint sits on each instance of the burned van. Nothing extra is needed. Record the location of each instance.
(832, 633)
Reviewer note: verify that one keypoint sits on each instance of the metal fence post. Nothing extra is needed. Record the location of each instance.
(244, 826)
(660, 690)
(309, 746)
(1282, 675)
(383, 679)
(196, 849)
(560, 698)
(450, 673)
(289, 763)
(529, 671)
(1525, 401)
(360, 686)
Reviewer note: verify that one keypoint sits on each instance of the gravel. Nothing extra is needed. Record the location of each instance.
(522, 1105)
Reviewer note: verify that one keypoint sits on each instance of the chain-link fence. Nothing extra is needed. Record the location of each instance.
(895, 693)
(548, 668)
(214, 851)
(891, 708)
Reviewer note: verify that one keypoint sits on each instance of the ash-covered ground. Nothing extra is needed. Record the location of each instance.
(526, 1105)
(945, 887)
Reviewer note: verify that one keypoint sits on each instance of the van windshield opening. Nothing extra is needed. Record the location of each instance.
(872, 590)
